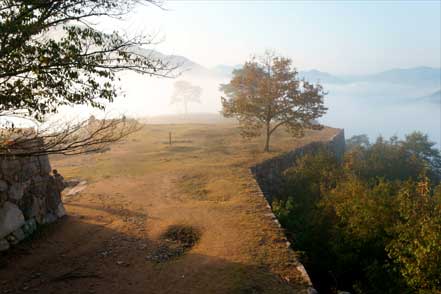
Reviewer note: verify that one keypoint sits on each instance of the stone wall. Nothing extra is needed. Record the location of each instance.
(268, 173)
(29, 196)
(279, 232)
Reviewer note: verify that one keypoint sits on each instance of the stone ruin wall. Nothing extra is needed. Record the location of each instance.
(29, 197)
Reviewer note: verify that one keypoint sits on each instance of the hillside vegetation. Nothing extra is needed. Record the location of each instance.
(371, 223)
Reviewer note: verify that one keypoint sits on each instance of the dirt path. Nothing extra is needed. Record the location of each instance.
(111, 242)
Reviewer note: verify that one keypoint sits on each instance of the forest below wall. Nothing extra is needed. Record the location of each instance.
(369, 222)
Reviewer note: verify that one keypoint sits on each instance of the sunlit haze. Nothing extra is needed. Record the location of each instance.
(342, 37)
(220, 146)
(351, 43)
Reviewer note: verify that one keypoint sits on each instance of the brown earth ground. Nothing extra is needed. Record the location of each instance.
(109, 241)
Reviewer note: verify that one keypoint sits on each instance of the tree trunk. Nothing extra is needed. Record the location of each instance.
(268, 134)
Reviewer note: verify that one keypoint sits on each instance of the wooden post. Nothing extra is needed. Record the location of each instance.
(169, 138)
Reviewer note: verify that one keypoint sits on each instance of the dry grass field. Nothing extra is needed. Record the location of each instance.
(114, 238)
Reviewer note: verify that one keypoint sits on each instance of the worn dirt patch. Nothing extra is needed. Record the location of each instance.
(175, 242)
(185, 236)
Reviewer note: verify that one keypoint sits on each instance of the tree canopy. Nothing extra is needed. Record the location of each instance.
(368, 224)
(267, 93)
(52, 54)
(184, 92)
(357, 141)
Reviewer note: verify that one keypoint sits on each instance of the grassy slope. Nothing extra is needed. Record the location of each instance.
(201, 180)
(217, 148)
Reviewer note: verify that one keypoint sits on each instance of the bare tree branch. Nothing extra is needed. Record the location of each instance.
(92, 135)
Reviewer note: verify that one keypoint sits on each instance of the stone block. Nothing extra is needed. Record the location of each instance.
(29, 227)
(26, 203)
(32, 223)
(10, 166)
(16, 191)
(53, 196)
(3, 198)
(19, 235)
(3, 186)
(61, 211)
(29, 169)
(45, 166)
(29, 196)
(11, 218)
(39, 184)
(49, 218)
(11, 239)
(4, 245)
(38, 209)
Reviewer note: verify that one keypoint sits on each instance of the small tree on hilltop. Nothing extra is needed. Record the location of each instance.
(184, 93)
(267, 93)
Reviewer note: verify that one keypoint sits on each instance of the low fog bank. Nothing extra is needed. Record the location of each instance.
(379, 116)
(360, 107)
(384, 109)
(146, 96)
(190, 118)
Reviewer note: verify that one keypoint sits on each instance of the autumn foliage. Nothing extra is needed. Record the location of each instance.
(266, 93)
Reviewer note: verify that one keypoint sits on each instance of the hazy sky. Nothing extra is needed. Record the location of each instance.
(340, 37)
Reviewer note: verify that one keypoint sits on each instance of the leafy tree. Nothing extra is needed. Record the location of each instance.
(416, 243)
(184, 93)
(267, 93)
(52, 54)
(419, 144)
(386, 159)
(357, 141)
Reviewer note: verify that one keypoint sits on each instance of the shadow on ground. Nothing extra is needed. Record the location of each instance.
(89, 254)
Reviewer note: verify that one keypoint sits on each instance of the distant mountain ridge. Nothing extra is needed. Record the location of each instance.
(433, 98)
(225, 70)
(185, 65)
(314, 76)
(422, 75)
(427, 76)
